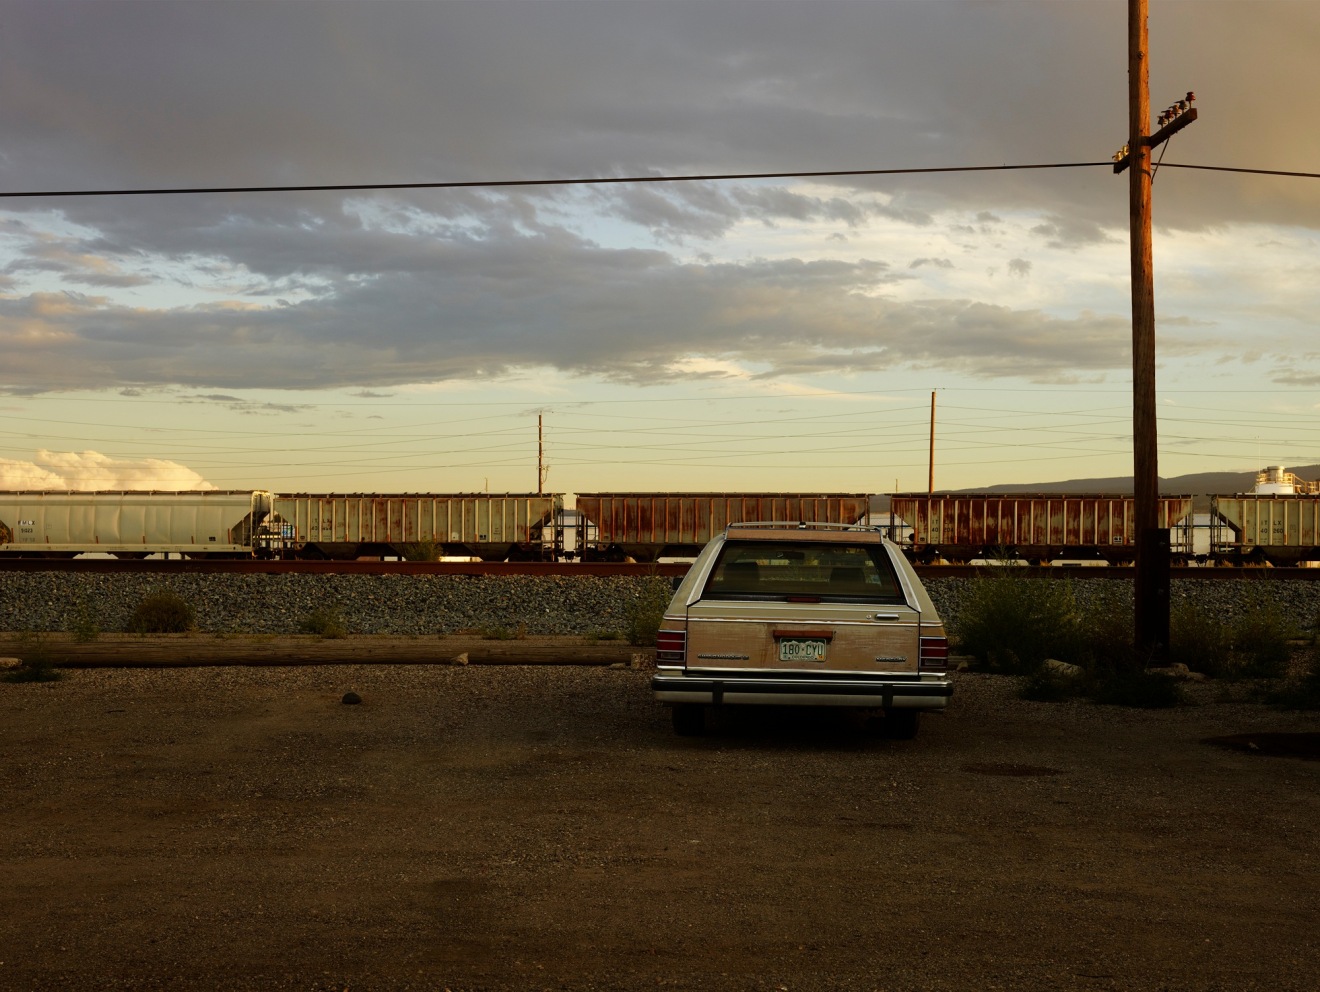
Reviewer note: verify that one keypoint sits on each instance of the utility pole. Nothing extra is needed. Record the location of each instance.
(1151, 579)
(540, 455)
(930, 479)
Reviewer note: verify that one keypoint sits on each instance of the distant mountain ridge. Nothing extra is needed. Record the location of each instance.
(1200, 485)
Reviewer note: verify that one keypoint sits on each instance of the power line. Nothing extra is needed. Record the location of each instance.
(1251, 172)
(490, 184)
(619, 180)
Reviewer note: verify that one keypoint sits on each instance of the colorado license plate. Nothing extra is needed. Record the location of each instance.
(805, 649)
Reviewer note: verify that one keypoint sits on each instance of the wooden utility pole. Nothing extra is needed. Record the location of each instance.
(540, 455)
(1152, 631)
(930, 480)
(1151, 579)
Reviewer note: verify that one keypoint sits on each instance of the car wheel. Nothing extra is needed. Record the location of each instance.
(902, 725)
(689, 719)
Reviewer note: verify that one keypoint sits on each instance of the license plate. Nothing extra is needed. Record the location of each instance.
(807, 649)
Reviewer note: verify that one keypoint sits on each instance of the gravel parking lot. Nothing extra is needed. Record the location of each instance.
(525, 827)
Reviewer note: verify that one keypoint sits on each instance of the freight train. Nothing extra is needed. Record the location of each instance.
(508, 527)
(1276, 525)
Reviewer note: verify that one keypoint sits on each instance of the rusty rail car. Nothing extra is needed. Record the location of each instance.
(342, 526)
(1041, 528)
(649, 526)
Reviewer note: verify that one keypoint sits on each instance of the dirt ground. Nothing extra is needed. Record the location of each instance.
(540, 826)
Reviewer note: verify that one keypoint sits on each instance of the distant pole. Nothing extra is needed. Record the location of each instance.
(1151, 578)
(930, 480)
(540, 455)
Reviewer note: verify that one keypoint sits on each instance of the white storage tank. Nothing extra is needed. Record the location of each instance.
(1274, 481)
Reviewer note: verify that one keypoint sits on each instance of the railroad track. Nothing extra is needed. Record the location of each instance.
(177, 566)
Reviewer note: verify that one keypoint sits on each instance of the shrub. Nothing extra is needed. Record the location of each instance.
(423, 551)
(1012, 624)
(643, 614)
(1252, 646)
(162, 612)
(1049, 685)
(1199, 639)
(1302, 692)
(1260, 641)
(1126, 687)
(1107, 630)
(324, 621)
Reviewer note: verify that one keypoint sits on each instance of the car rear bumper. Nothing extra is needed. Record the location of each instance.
(928, 692)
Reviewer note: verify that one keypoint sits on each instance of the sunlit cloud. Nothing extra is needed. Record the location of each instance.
(84, 470)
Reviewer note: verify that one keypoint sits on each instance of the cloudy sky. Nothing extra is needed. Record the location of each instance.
(780, 334)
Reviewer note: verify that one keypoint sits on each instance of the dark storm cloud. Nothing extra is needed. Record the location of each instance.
(110, 94)
(378, 291)
(624, 316)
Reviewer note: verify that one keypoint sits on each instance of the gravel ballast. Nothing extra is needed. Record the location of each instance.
(402, 605)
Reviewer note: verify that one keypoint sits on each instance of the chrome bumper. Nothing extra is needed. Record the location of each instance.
(929, 692)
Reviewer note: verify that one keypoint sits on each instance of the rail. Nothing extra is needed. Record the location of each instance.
(669, 570)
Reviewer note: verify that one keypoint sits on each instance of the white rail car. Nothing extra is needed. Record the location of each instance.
(195, 523)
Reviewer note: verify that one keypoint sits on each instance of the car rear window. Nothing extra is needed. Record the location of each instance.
(815, 571)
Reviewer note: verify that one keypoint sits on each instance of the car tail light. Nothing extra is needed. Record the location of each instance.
(671, 647)
(933, 655)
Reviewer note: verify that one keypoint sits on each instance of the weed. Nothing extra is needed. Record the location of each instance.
(85, 627)
(324, 621)
(162, 611)
(1012, 624)
(643, 614)
(37, 663)
(85, 633)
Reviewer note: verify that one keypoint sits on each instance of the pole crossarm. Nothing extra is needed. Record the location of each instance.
(1177, 117)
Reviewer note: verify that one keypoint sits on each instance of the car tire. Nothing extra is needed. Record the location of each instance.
(902, 725)
(689, 719)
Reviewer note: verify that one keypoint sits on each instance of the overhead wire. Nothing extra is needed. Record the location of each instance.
(504, 183)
